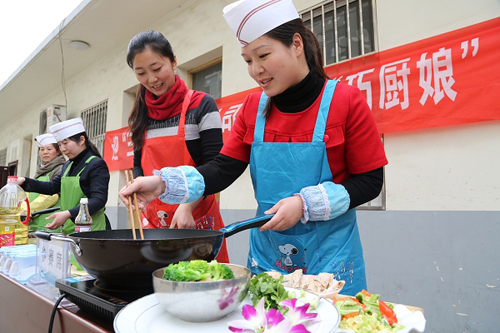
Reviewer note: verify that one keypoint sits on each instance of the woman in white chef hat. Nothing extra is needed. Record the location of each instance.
(51, 162)
(312, 145)
(84, 175)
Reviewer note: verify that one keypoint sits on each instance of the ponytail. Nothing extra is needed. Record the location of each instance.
(312, 49)
(138, 119)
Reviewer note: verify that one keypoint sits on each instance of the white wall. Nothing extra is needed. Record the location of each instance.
(453, 168)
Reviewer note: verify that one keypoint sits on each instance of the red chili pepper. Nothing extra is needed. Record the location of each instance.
(388, 313)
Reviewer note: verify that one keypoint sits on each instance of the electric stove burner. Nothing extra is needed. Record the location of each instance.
(98, 298)
(111, 288)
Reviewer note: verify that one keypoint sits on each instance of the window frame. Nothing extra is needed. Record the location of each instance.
(191, 72)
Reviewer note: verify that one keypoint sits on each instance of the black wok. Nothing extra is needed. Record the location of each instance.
(115, 258)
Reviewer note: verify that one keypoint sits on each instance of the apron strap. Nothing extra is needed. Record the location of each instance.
(258, 135)
(67, 169)
(185, 105)
(319, 128)
(324, 108)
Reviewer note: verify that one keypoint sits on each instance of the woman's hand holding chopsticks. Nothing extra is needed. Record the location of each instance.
(146, 188)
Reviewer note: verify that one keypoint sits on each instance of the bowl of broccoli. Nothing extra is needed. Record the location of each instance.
(201, 291)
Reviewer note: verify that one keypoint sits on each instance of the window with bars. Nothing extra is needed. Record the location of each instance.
(94, 120)
(3, 156)
(345, 29)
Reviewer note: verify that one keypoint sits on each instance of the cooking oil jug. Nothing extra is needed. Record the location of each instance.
(12, 230)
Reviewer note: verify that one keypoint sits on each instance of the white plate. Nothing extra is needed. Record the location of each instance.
(147, 315)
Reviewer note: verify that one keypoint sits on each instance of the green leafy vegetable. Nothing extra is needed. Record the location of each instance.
(272, 290)
(197, 270)
(370, 302)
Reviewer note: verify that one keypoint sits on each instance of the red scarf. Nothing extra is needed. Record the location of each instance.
(169, 104)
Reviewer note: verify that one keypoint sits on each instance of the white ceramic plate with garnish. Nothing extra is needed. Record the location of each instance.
(147, 315)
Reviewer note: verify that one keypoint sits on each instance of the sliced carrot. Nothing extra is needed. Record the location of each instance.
(350, 315)
(367, 294)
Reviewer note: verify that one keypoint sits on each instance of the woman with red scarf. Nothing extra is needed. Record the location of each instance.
(172, 126)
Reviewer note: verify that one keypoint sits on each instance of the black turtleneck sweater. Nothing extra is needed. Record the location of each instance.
(94, 182)
(224, 170)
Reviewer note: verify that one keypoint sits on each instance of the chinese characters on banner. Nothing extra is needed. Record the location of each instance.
(449, 79)
(118, 150)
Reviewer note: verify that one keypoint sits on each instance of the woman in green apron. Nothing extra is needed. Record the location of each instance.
(50, 166)
(84, 175)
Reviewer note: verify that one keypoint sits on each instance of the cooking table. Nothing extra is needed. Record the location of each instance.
(24, 310)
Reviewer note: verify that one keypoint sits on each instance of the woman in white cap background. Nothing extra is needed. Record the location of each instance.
(51, 162)
(171, 126)
(312, 144)
(85, 174)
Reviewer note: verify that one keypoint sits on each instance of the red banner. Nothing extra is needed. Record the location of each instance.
(448, 79)
(118, 150)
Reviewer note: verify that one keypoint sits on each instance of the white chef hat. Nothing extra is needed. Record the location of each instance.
(65, 129)
(45, 139)
(250, 19)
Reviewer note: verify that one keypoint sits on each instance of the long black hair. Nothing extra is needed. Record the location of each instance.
(312, 49)
(159, 44)
(78, 137)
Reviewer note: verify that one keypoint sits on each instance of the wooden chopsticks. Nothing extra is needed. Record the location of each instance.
(133, 214)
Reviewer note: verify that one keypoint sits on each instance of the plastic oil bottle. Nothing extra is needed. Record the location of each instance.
(12, 230)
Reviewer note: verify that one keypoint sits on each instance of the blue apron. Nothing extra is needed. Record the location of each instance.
(280, 169)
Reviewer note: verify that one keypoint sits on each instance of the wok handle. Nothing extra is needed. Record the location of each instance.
(49, 236)
(246, 224)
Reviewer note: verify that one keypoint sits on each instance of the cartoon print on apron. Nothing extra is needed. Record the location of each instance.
(172, 151)
(280, 169)
(71, 193)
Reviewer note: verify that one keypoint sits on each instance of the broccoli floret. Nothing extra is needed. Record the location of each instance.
(199, 265)
(196, 270)
(220, 271)
(187, 271)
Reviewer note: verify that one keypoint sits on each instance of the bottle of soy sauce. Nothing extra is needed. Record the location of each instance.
(83, 221)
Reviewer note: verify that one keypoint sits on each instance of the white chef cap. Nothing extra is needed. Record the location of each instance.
(65, 129)
(250, 19)
(45, 139)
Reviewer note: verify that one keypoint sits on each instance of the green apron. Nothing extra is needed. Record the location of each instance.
(71, 193)
(39, 222)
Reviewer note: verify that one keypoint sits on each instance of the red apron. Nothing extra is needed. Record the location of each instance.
(172, 151)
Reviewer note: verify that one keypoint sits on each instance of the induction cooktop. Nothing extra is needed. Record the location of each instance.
(95, 297)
